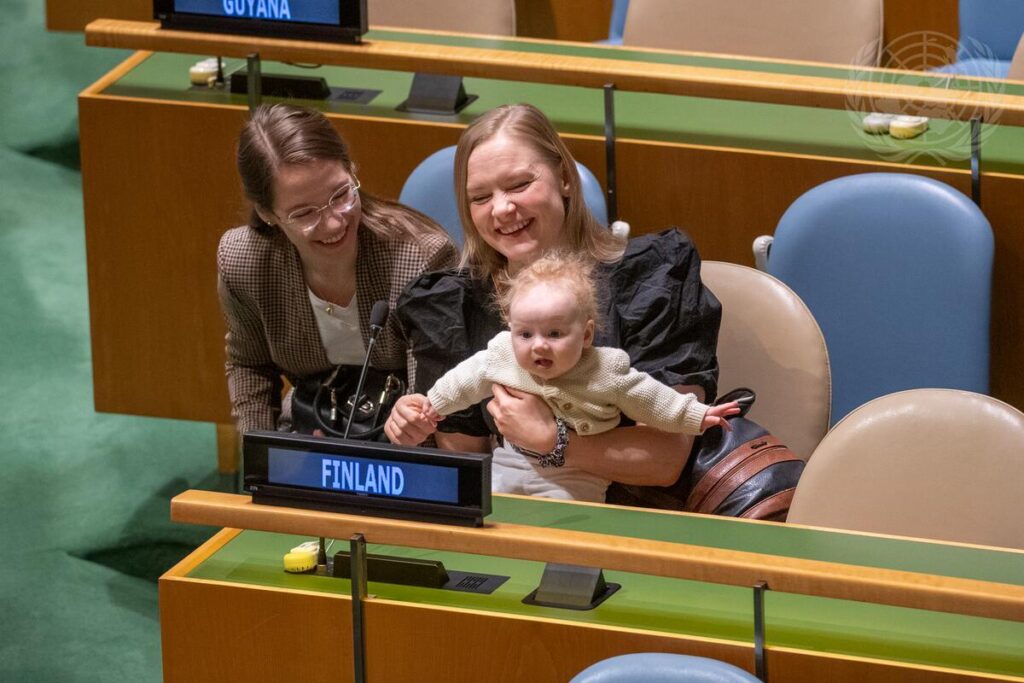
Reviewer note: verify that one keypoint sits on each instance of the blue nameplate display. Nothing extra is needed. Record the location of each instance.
(308, 11)
(437, 483)
(331, 20)
(346, 475)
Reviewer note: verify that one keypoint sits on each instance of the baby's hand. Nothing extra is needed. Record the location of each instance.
(428, 412)
(425, 417)
(715, 417)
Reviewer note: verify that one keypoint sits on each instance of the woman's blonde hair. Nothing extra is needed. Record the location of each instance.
(284, 134)
(574, 271)
(531, 127)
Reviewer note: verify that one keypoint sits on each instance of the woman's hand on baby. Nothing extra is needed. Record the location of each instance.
(522, 418)
(715, 417)
(412, 420)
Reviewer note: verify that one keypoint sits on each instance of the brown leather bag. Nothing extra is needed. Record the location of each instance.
(745, 472)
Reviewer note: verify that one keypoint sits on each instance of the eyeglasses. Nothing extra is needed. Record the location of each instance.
(306, 218)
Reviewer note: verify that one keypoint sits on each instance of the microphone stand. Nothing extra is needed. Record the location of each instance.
(359, 387)
(377, 318)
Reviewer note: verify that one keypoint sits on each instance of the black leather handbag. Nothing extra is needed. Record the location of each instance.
(746, 472)
(326, 402)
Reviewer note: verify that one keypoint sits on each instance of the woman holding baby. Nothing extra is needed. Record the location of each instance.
(519, 197)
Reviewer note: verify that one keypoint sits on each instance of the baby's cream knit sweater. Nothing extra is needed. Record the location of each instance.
(589, 397)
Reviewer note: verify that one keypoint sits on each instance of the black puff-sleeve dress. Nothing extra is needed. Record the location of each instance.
(653, 303)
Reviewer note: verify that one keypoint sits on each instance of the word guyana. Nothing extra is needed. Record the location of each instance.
(345, 475)
(259, 9)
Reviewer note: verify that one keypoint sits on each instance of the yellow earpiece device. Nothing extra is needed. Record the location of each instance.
(299, 562)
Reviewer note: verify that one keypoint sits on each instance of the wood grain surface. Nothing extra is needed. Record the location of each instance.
(547, 67)
(657, 558)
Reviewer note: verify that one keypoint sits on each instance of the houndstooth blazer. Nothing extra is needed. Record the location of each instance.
(272, 329)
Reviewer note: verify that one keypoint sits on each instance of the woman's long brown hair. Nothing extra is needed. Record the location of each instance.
(283, 134)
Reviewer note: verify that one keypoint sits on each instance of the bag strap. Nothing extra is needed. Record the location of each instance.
(734, 469)
(772, 507)
(742, 395)
(728, 461)
(317, 402)
(761, 461)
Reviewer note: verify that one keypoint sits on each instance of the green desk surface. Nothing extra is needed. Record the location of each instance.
(700, 609)
(639, 116)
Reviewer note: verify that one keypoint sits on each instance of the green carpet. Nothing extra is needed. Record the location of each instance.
(83, 495)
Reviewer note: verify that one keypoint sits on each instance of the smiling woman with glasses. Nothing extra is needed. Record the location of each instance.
(298, 282)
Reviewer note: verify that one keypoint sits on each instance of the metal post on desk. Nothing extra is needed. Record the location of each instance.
(254, 79)
(760, 663)
(357, 566)
(976, 160)
(609, 151)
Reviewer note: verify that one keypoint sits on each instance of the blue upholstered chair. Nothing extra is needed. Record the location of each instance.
(897, 270)
(989, 33)
(430, 188)
(618, 22)
(657, 667)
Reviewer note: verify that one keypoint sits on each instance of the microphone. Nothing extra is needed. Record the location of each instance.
(378, 316)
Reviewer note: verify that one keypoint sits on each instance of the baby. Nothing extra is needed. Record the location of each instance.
(551, 310)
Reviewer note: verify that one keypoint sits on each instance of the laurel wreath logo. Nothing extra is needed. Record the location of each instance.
(912, 57)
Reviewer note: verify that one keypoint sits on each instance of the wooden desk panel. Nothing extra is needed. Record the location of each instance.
(583, 20)
(244, 616)
(906, 17)
(73, 15)
(669, 558)
(227, 633)
(159, 186)
(786, 82)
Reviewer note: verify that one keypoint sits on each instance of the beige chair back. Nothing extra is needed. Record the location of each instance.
(931, 463)
(494, 17)
(770, 343)
(1017, 63)
(838, 31)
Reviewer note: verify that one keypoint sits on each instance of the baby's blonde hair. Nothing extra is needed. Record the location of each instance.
(574, 270)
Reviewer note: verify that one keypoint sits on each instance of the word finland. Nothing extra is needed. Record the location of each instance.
(259, 9)
(346, 475)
